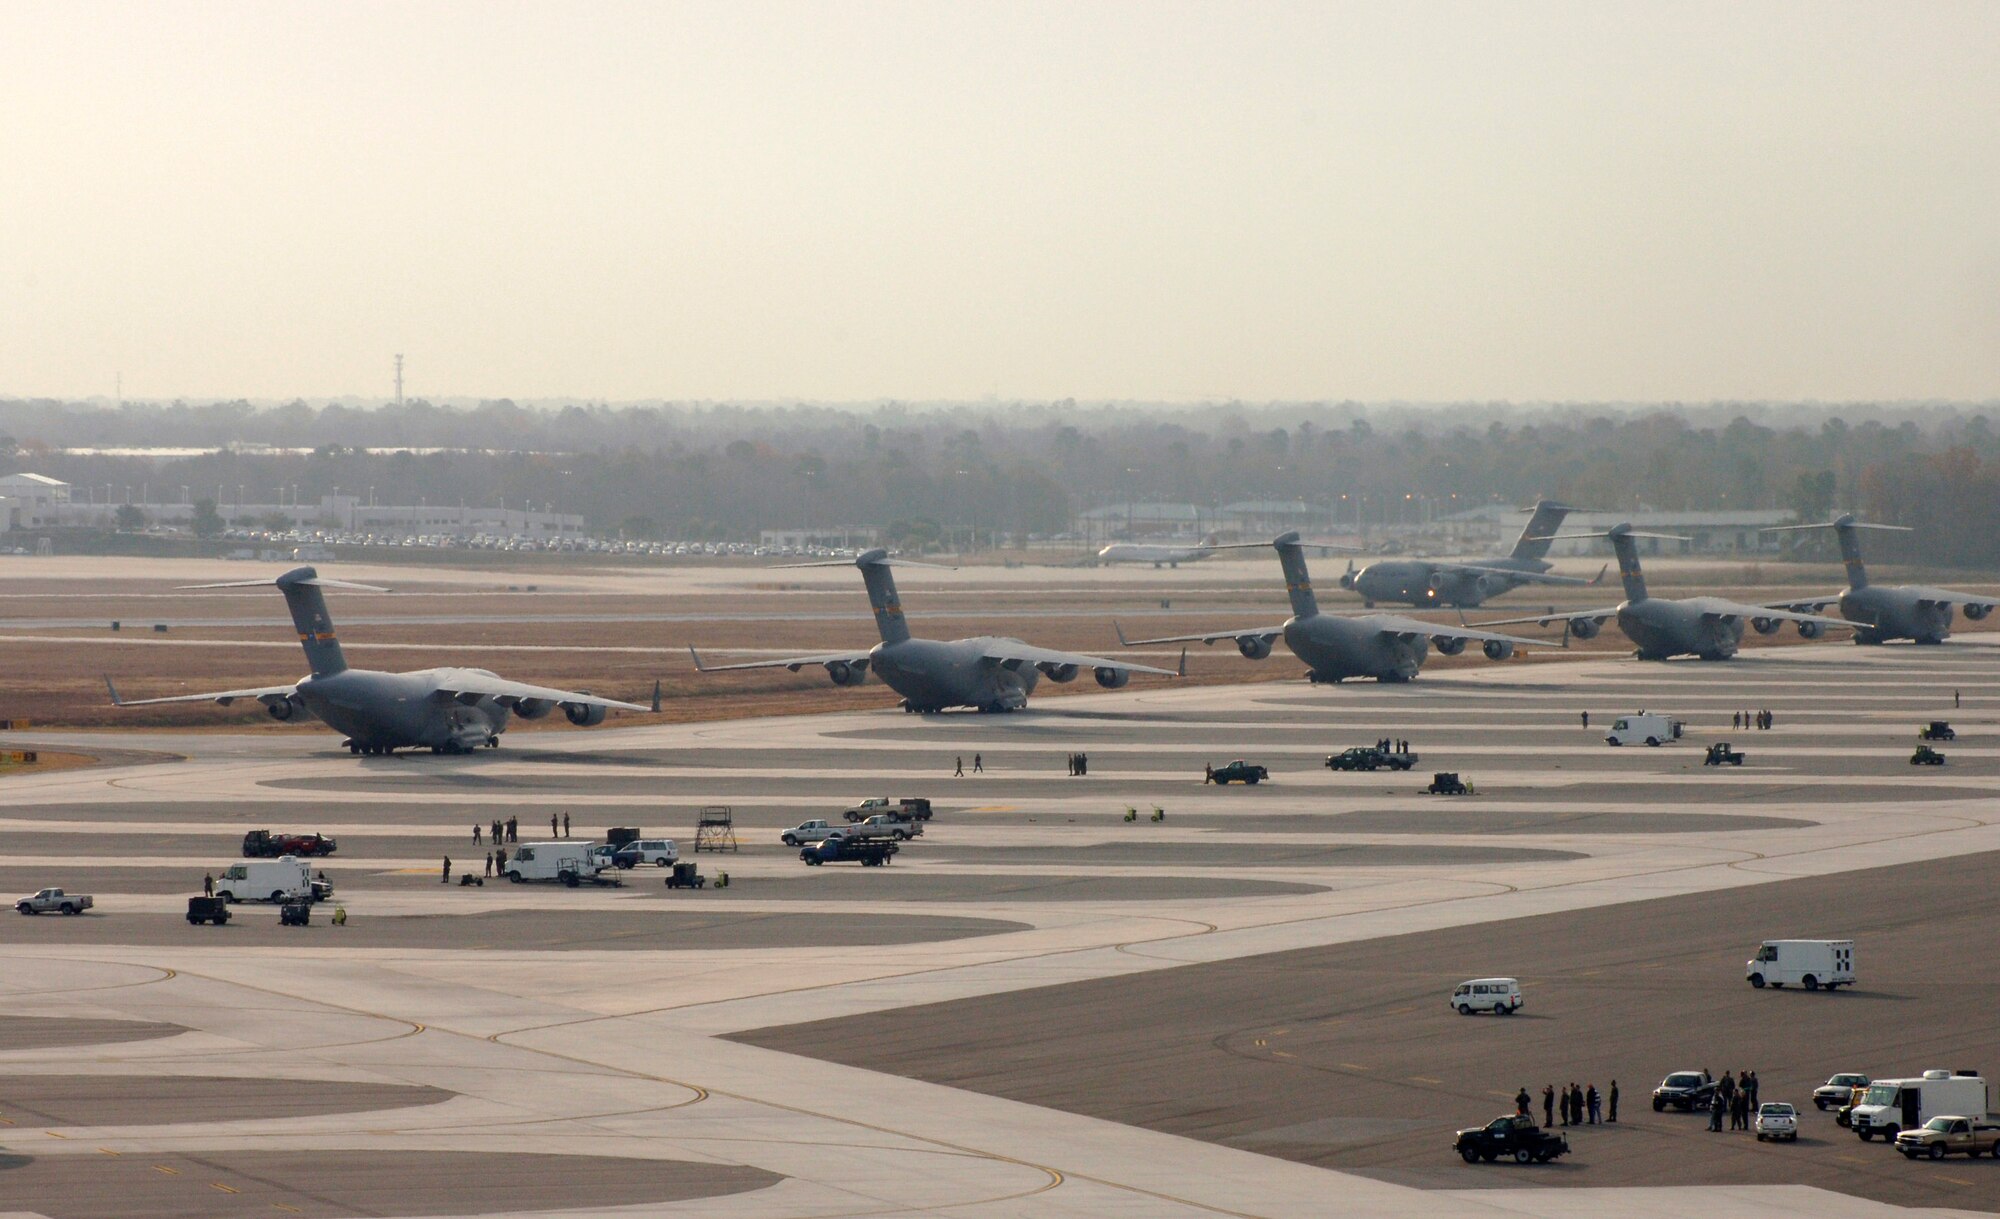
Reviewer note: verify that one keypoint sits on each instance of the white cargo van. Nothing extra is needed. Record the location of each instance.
(1501, 996)
(1644, 729)
(555, 861)
(1893, 1105)
(284, 879)
(1808, 963)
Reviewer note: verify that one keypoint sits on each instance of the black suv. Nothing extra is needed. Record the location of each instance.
(1514, 1135)
(1684, 1090)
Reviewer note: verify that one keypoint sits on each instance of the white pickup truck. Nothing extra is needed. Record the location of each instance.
(51, 901)
(893, 826)
(808, 831)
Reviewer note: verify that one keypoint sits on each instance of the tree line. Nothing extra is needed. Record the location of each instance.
(932, 470)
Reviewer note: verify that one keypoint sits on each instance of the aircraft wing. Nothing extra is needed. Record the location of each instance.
(470, 685)
(794, 663)
(1396, 624)
(1566, 616)
(1731, 610)
(1530, 577)
(1014, 655)
(1945, 596)
(224, 697)
(1808, 605)
(1266, 633)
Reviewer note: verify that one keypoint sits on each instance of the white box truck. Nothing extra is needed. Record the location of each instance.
(1894, 1105)
(284, 879)
(555, 861)
(1808, 963)
(1644, 729)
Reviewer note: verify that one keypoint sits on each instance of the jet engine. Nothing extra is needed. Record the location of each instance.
(1976, 610)
(585, 715)
(1448, 645)
(1058, 673)
(1347, 577)
(1253, 647)
(1766, 626)
(844, 674)
(1497, 649)
(533, 708)
(1585, 628)
(287, 708)
(1113, 679)
(1811, 630)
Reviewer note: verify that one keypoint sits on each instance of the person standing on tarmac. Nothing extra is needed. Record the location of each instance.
(1586, 721)
(565, 825)
(1594, 1105)
(1717, 1105)
(1548, 1104)
(1613, 1098)
(960, 772)
(446, 879)
(489, 863)
(1523, 1103)
(978, 764)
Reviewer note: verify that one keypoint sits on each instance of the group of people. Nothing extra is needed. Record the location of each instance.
(1393, 745)
(503, 831)
(978, 766)
(1760, 720)
(1733, 1098)
(1580, 1106)
(1079, 764)
(494, 859)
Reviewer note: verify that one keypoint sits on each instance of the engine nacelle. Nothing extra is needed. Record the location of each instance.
(1060, 674)
(1585, 628)
(533, 708)
(1497, 649)
(288, 708)
(585, 715)
(1112, 679)
(841, 673)
(1253, 647)
(1976, 610)
(1811, 630)
(1765, 626)
(1448, 645)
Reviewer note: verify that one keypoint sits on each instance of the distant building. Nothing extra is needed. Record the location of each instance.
(1707, 532)
(31, 501)
(838, 537)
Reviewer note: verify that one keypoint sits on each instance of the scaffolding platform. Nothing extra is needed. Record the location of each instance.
(715, 829)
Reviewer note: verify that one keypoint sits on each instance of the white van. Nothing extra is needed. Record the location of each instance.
(554, 861)
(660, 852)
(284, 879)
(1644, 729)
(1501, 996)
(1895, 1105)
(1808, 963)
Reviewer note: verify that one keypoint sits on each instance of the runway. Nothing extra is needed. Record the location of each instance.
(1041, 1007)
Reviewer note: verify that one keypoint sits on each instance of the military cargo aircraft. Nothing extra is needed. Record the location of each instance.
(1435, 582)
(1659, 627)
(1882, 612)
(449, 710)
(1156, 553)
(1386, 647)
(986, 673)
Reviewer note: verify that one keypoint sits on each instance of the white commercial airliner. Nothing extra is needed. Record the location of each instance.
(1156, 553)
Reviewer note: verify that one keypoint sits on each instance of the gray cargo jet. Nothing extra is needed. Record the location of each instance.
(1435, 582)
(1386, 647)
(449, 710)
(1659, 627)
(1883, 612)
(931, 674)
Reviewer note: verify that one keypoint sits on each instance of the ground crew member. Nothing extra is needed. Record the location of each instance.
(447, 871)
(1586, 721)
(340, 916)
(1548, 1105)
(960, 772)
(1083, 763)
(1614, 1102)
(475, 833)
(1594, 1105)
(552, 825)
(565, 825)
(500, 859)
(978, 764)
(489, 863)
(208, 885)
(498, 835)
(1717, 1103)
(1208, 772)
(1522, 1102)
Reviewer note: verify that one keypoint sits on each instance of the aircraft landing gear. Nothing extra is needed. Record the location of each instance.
(493, 742)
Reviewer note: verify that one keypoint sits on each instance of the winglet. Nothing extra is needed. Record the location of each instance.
(1599, 577)
(115, 700)
(1182, 672)
(656, 694)
(1122, 641)
(699, 667)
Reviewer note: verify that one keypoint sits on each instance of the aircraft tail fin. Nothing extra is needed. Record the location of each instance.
(1298, 580)
(1627, 550)
(1847, 531)
(1533, 544)
(882, 596)
(301, 587)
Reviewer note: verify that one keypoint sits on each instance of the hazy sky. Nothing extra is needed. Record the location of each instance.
(1595, 200)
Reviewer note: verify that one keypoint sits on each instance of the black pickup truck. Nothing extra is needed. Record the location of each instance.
(1514, 1136)
(1684, 1090)
(1368, 757)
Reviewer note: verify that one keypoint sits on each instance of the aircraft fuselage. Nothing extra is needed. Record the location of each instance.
(1336, 648)
(1697, 626)
(400, 710)
(1895, 613)
(1415, 582)
(932, 674)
